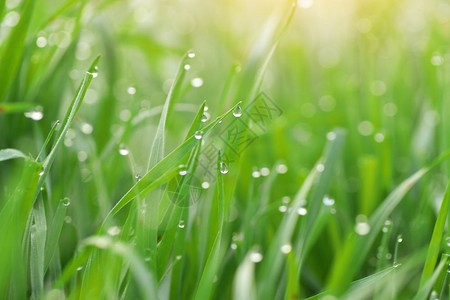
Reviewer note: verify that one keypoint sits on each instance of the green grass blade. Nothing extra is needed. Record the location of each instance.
(244, 281)
(37, 253)
(54, 231)
(425, 289)
(16, 107)
(435, 243)
(6, 154)
(13, 48)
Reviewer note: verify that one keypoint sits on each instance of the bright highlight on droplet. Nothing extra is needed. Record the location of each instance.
(205, 185)
(198, 135)
(302, 211)
(114, 230)
(197, 82)
(328, 201)
(237, 111)
(223, 168)
(282, 169)
(286, 248)
(265, 171)
(255, 257)
(362, 227)
(123, 150)
(131, 90)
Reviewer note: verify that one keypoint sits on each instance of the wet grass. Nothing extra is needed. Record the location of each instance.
(216, 151)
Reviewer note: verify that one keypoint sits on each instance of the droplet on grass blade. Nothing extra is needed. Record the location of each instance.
(302, 211)
(205, 117)
(362, 227)
(286, 248)
(65, 201)
(183, 170)
(237, 111)
(198, 135)
(35, 115)
(181, 224)
(223, 168)
(255, 257)
(123, 150)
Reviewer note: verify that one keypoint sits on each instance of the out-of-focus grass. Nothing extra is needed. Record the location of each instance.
(339, 194)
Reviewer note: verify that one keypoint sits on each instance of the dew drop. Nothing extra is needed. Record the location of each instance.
(399, 239)
(65, 201)
(79, 269)
(233, 246)
(35, 115)
(256, 174)
(237, 111)
(205, 117)
(183, 170)
(198, 135)
(302, 211)
(286, 199)
(256, 257)
(131, 90)
(187, 67)
(205, 108)
(328, 201)
(320, 168)
(282, 208)
(282, 169)
(114, 230)
(265, 171)
(205, 185)
(362, 227)
(123, 150)
(178, 257)
(197, 82)
(87, 128)
(191, 54)
(286, 248)
(223, 168)
(331, 136)
(181, 224)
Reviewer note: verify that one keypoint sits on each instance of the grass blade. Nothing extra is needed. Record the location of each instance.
(6, 154)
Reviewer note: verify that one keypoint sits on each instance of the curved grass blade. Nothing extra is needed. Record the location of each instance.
(425, 289)
(435, 243)
(47, 140)
(38, 239)
(16, 107)
(13, 48)
(54, 231)
(7, 154)
(244, 281)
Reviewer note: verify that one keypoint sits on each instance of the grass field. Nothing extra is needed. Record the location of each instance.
(227, 149)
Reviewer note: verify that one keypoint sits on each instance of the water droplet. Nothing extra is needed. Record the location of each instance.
(282, 208)
(437, 60)
(205, 185)
(198, 135)
(131, 90)
(123, 150)
(282, 169)
(365, 128)
(286, 199)
(42, 172)
(256, 174)
(138, 177)
(191, 54)
(320, 167)
(95, 73)
(237, 111)
(41, 42)
(114, 230)
(87, 128)
(302, 211)
(233, 246)
(399, 239)
(79, 269)
(388, 256)
(379, 137)
(265, 171)
(187, 67)
(205, 108)
(197, 82)
(65, 201)
(328, 201)
(82, 156)
(178, 257)
(396, 265)
(286, 248)
(183, 170)
(362, 227)
(255, 257)
(68, 219)
(223, 168)
(35, 115)
(331, 136)
(181, 224)
(205, 117)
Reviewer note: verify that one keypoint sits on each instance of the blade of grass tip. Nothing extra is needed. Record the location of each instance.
(68, 118)
(436, 239)
(38, 239)
(157, 150)
(13, 49)
(425, 289)
(206, 285)
(47, 140)
(54, 231)
(292, 288)
(170, 162)
(145, 280)
(357, 246)
(7, 154)
(244, 281)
